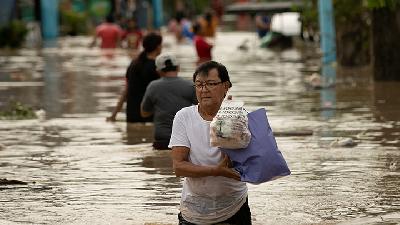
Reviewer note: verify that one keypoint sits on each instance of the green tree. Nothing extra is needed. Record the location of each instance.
(352, 32)
(13, 34)
(367, 32)
(385, 38)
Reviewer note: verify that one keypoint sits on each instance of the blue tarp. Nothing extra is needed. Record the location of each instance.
(261, 160)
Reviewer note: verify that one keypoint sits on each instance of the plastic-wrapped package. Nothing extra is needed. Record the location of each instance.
(229, 128)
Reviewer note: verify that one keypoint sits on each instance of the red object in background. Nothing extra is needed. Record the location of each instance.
(218, 8)
(243, 20)
(109, 34)
(203, 49)
(133, 38)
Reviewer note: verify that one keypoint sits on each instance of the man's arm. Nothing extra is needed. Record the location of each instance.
(93, 43)
(119, 37)
(143, 113)
(183, 168)
(147, 105)
(118, 107)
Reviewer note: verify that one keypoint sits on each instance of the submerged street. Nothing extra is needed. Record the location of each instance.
(80, 169)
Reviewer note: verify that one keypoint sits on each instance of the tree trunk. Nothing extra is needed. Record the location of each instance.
(385, 31)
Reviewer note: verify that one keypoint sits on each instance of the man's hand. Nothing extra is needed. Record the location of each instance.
(225, 162)
(111, 119)
(225, 166)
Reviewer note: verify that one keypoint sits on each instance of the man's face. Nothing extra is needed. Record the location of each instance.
(209, 88)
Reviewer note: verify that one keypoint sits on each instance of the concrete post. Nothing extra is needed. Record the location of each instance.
(49, 9)
(158, 13)
(328, 42)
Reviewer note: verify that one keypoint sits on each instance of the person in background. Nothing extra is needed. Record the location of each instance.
(109, 33)
(178, 29)
(263, 24)
(140, 73)
(208, 23)
(166, 96)
(132, 35)
(187, 31)
(212, 192)
(203, 48)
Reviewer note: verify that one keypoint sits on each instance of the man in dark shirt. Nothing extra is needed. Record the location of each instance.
(140, 73)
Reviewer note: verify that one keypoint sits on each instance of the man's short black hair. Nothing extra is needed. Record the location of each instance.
(110, 18)
(204, 68)
(169, 66)
(196, 28)
(151, 41)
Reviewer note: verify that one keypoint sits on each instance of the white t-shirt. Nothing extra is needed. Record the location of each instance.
(205, 200)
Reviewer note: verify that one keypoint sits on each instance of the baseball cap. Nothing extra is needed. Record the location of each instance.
(166, 61)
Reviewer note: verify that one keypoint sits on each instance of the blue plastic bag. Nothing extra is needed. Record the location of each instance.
(261, 160)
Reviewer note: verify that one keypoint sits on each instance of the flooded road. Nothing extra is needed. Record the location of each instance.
(80, 169)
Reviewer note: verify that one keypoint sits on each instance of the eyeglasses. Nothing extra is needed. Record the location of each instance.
(208, 85)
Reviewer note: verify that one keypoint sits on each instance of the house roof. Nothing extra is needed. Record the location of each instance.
(262, 7)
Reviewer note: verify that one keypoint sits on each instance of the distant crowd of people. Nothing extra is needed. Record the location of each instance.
(200, 32)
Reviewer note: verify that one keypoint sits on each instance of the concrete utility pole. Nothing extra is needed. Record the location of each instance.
(158, 13)
(49, 9)
(328, 45)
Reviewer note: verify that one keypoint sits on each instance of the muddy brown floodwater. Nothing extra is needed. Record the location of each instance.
(80, 169)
